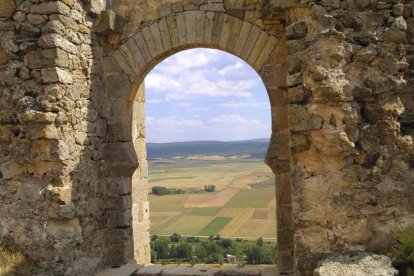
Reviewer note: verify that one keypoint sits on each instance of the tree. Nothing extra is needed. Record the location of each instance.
(217, 237)
(154, 256)
(211, 238)
(160, 247)
(183, 251)
(193, 240)
(175, 237)
(260, 241)
(226, 243)
(159, 190)
(194, 261)
(154, 237)
(209, 188)
(255, 254)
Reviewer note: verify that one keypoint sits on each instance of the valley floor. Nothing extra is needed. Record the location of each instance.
(243, 205)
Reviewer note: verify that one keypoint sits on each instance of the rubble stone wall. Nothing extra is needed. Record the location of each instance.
(73, 170)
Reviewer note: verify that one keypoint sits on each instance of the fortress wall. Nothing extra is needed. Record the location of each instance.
(73, 171)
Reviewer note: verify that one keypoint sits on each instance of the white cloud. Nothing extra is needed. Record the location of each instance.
(195, 89)
(231, 68)
(172, 122)
(221, 127)
(229, 119)
(154, 101)
(238, 104)
(194, 73)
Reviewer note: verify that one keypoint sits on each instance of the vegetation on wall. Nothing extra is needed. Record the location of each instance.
(13, 262)
(404, 251)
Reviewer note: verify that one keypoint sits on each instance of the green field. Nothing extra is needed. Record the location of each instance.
(252, 199)
(214, 226)
(242, 205)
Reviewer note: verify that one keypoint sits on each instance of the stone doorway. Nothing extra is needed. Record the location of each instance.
(125, 69)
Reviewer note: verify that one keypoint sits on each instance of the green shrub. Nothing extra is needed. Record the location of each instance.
(175, 237)
(193, 239)
(160, 248)
(255, 254)
(209, 188)
(160, 190)
(404, 251)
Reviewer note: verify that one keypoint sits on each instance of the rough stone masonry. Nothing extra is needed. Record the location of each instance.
(73, 170)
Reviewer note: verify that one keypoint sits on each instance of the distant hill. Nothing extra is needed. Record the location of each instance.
(254, 148)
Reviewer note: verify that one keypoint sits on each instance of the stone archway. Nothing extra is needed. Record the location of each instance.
(125, 70)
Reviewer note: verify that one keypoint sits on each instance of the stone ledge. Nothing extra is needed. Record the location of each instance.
(133, 269)
(125, 270)
(157, 270)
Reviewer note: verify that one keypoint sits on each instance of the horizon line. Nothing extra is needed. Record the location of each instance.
(224, 141)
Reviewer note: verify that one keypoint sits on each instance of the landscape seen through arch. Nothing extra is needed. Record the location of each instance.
(208, 129)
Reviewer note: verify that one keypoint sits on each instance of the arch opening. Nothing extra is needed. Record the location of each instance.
(208, 129)
(127, 67)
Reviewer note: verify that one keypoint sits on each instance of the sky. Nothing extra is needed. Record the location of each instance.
(205, 94)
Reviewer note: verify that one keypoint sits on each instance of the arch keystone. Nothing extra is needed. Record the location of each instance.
(190, 21)
(181, 27)
(218, 25)
(200, 25)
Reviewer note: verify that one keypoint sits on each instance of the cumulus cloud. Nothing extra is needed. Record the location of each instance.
(198, 72)
(154, 101)
(228, 119)
(172, 122)
(205, 94)
(239, 104)
(222, 127)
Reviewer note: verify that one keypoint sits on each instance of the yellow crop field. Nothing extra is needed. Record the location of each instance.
(254, 228)
(195, 173)
(253, 194)
(186, 225)
(239, 215)
(166, 203)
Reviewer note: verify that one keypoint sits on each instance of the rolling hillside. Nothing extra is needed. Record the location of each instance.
(254, 148)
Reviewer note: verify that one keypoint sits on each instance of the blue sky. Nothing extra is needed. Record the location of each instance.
(205, 94)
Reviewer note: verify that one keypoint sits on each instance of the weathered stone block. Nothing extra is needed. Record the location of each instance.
(52, 7)
(7, 8)
(301, 119)
(296, 30)
(55, 74)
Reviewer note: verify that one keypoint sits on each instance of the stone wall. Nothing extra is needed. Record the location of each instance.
(73, 170)
(352, 168)
(53, 202)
